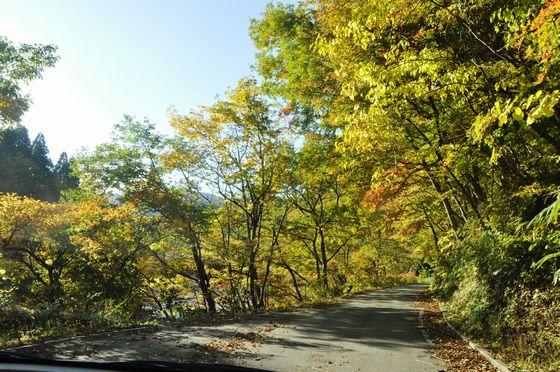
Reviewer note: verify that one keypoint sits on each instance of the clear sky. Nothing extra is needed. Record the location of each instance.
(135, 57)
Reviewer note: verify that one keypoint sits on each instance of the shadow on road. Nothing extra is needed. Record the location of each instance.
(378, 322)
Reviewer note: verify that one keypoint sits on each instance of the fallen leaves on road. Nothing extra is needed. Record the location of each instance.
(456, 353)
(228, 346)
(239, 339)
(207, 353)
(237, 342)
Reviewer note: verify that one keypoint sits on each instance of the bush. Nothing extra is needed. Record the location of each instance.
(495, 293)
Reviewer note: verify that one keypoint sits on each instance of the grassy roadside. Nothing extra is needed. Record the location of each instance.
(61, 329)
(524, 331)
(525, 334)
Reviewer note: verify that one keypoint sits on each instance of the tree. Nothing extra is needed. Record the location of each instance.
(449, 110)
(45, 187)
(30, 235)
(327, 220)
(116, 243)
(237, 148)
(20, 64)
(65, 178)
(16, 164)
(131, 169)
(27, 169)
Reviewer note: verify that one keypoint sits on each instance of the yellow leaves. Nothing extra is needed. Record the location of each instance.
(180, 159)
(23, 217)
(544, 34)
(427, 152)
(502, 118)
(107, 231)
(14, 207)
(192, 125)
(545, 107)
(518, 113)
(533, 33)
(349, 91)
(534, 189)
(451, 154)
(534, 107)
(480, 127)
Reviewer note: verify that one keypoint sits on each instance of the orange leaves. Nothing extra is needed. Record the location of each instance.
(413, 227)
(374, 198)
(541, 39)
(551, 9)
(285, 111)
(386, 187)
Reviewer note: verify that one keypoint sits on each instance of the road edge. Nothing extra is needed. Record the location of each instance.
(500, 366)
(76, 337)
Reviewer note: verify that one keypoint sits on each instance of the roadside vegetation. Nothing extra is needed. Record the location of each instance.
(379, 138)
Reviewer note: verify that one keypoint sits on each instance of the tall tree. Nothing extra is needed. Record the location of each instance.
(65, 178)
(16, 164)
(132, 168)
(449, 109)
(327, 221)
(44, 172)
(26, 167)
(237, 146)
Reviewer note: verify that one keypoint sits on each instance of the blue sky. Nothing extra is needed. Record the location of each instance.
(134, 57)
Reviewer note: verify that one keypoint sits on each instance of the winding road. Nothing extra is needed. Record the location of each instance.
(377, 331)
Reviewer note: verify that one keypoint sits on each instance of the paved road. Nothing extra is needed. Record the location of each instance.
(377, 331)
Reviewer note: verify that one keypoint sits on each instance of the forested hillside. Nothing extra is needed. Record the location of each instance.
(381, 140)
(27, 169)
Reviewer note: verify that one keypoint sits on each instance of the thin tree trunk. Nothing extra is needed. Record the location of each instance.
(203, 280)
(322, 245)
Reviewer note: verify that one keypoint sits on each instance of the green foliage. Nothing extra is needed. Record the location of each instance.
(20, 64)
(449, 110)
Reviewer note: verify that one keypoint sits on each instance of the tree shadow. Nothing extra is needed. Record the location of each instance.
(380, 319)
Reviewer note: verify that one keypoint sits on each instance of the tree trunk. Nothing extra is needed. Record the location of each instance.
(253, 277)
(322, 245)
(203, 280)
(444, 201)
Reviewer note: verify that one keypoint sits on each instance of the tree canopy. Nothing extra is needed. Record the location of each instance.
(20, 64)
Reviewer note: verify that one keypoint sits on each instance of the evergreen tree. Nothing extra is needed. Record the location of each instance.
(63, 173)
(16, 164)
(43, 176)
(26, 168)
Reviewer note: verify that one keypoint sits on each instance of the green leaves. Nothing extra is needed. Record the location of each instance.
(449, 110)
(20, 64)
(379, 133)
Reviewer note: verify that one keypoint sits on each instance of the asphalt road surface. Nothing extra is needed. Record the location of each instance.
(377, 331)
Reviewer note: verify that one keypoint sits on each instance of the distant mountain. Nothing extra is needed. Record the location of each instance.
(211, 199)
